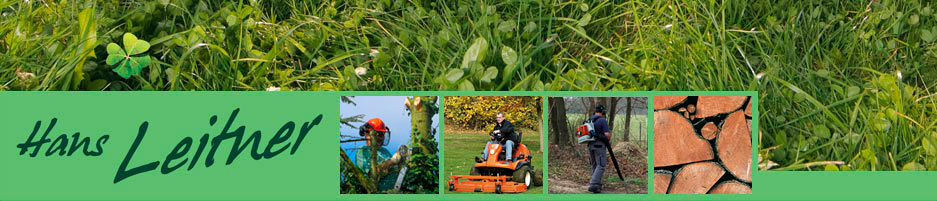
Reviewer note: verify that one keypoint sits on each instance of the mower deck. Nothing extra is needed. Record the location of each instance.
(488, 184)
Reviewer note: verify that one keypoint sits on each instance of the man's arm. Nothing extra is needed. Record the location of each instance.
(607, 130)
(495, 128)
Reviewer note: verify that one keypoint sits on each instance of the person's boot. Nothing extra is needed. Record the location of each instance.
(595, 189)
(478, 160)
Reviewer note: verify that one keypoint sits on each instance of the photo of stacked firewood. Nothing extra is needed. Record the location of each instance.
(702, 145)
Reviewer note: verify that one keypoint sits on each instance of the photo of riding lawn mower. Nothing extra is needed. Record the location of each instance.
(493, 144)
(499, 174)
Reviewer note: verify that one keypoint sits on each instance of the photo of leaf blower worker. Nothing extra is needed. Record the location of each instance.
(598, 157)
(595, 136)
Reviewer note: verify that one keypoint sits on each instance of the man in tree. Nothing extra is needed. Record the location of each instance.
(598, 157)
(503, 131)
(377, 135)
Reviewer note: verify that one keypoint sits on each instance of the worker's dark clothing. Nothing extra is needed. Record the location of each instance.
(507, 135)
(507, 130)
(598, 156)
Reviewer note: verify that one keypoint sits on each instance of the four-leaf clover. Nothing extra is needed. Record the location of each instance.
(129, 64)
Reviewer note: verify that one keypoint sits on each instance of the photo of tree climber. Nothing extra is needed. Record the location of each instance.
(503, 132)
(598, 158)
(377, 135)
(375, 160)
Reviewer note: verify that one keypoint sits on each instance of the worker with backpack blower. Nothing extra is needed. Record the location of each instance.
(598, 157)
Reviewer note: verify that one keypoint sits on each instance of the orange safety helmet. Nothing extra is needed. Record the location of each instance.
(375, 124)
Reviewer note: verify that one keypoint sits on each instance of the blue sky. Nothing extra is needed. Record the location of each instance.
(391, 110)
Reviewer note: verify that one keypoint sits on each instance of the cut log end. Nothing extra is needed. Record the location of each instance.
(665, 102)
(709, 131)
(748, 110)
(734, 146)
(696, 178)
(662, 181)
(707, 106)
(730, 187)
(675, 141)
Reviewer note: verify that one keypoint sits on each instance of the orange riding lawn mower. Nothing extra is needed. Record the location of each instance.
(497, 174)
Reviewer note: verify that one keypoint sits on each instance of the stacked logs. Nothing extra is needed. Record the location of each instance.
(702, 144)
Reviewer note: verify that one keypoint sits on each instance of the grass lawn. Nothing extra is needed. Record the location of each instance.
(461, 149)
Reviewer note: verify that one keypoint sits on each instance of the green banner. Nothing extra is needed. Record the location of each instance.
(282, 146)
(161, 145)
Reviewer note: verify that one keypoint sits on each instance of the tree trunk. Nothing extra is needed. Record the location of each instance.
(627, 118)
(559, 118)
(353, 173)
(421, 120)
(423, 162)
(553, 128)
(375, 173)
(612, 110)
(539, 101)
(641, 130)
(591, 109)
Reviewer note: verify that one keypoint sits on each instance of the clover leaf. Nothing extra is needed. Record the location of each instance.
(131, 57)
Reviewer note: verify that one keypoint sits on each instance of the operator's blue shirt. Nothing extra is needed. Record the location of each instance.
(600, 125)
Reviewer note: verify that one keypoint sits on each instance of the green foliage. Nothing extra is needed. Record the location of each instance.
(858, 97)
(128, 59)
(479, 112)
(423, 174)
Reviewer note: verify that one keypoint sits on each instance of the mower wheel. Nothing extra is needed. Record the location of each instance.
(523, 175)
(451, 187)
(498, 188)
(538, 179)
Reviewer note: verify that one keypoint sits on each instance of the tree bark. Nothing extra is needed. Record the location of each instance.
(612, 110)
(353, 173)
(591, 109)
(627, 118)
(421, 120)
(559, 120)
(553, 128)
